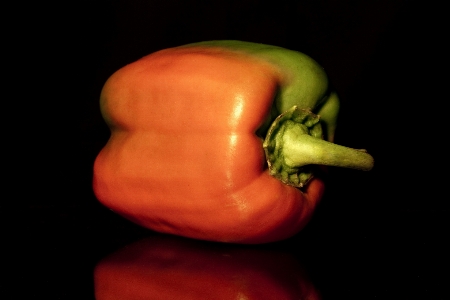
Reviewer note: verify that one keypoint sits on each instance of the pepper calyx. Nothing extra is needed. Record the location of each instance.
(294, 145)
(306, 123)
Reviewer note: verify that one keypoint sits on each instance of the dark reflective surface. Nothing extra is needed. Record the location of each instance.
(361, 257)
(165, 267)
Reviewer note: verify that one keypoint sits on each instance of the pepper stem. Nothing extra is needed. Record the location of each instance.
(294, 144)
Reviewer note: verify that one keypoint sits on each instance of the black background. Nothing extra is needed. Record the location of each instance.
(375, 235)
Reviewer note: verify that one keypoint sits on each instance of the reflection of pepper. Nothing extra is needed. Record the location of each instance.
(186, 154)
(174, 268)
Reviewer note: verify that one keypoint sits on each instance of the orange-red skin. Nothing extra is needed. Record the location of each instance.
(183, 157)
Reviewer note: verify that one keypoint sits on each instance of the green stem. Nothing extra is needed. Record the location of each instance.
(301, 150)
(294, 144)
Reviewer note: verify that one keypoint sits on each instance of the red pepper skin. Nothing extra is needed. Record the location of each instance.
(183, 157)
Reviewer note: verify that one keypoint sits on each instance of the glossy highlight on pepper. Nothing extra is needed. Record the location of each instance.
(196, 131)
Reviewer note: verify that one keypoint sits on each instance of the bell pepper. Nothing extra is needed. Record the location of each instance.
(220, 141)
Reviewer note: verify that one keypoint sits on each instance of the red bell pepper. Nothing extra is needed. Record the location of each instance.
(219, 141)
